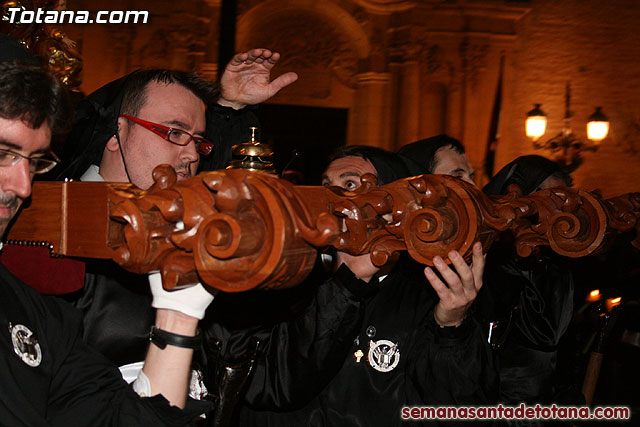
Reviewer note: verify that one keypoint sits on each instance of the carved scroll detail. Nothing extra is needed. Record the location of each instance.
(624, 214)
(230, 229)
(432, 214)
(236, 230)
(572, 222)
(451, 218)
(427, 216)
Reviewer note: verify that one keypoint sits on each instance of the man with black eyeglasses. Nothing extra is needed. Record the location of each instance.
(48, 376)
(40, 162)
(37, 165)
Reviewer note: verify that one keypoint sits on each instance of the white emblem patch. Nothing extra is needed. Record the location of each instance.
(25, 345)
(383, 355)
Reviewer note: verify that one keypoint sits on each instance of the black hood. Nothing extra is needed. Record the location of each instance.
(95, 121)
(388, 165)
(528, 172)
(419, 156)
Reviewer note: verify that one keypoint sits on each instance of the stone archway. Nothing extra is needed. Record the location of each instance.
(319, 40)
(324, 44)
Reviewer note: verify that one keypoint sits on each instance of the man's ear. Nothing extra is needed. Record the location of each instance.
(112, 143)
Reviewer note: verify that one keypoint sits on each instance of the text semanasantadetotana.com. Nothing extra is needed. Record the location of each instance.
(521, 412)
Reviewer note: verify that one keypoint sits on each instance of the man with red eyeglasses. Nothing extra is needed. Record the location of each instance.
(125, 129)
(121, 133)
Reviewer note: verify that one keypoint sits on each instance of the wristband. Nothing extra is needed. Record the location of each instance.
(163, 338)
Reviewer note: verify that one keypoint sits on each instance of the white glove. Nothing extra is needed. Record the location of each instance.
(192, 301)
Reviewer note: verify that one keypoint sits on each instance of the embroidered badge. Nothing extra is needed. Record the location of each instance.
(25, 345)
(383, 355)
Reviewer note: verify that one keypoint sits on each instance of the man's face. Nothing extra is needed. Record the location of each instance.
(346, 172)
(15, 181)
(171, 105)
(450, 162)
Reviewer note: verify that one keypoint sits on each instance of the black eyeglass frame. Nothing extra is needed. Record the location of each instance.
(33, 161)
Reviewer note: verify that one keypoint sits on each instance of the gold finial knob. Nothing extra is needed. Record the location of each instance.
(252, 155)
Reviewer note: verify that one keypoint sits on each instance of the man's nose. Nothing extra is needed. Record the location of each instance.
(189, 153)
(17, 179)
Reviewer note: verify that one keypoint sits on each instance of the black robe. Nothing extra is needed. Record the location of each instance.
(72, 385)
(309, 374)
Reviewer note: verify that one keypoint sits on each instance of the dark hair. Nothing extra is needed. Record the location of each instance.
(420, 156)
(388, 165)
(31, 94)
(96, 117)
(135, 93)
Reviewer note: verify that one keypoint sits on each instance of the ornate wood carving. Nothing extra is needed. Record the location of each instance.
(236, 230)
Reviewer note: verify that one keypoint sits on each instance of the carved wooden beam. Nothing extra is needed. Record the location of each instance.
(236, 230)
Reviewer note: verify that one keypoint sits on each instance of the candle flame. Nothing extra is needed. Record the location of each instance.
(594, 295)
(612, 302)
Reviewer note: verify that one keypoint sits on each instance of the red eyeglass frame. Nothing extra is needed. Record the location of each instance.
(203, 146)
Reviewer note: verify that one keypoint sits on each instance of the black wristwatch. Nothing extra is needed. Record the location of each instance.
(163, 338)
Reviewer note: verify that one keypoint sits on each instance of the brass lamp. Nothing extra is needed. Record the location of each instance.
(597, 126)
(536, 124)
(565, 142)
(252, 155)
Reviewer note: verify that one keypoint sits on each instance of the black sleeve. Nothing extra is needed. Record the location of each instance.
(546, 304)
(227, 127)
(452, 365)
(534, 294)
(300, 356)
(86, 389)
(116, 311)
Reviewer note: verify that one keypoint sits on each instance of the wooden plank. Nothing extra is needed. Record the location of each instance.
(87, 214)
(40, 217)
(72, 216)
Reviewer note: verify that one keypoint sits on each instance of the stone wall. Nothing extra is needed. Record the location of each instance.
(595, 45)
(411, 69)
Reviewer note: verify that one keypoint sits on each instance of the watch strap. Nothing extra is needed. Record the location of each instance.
(163, 338)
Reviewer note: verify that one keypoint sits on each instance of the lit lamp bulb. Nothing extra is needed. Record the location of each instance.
(536, 123)
(597, 126)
